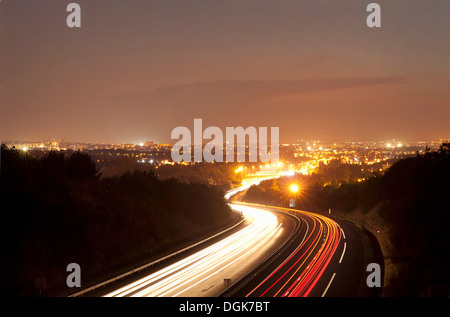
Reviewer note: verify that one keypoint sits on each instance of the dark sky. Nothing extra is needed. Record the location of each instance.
(135, 70)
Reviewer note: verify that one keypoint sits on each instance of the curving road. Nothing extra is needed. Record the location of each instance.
(324, 258)
(203, 273)
(279, 252)
(303, 271)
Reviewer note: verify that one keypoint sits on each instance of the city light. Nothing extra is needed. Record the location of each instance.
(240, 169)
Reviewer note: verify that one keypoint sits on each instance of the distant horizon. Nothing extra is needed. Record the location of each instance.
(206, 141)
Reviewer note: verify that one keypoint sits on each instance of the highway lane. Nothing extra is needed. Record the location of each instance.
(325, 258)
(359, 249)
(203, 273)
(304, 270)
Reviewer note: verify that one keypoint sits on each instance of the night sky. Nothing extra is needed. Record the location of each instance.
(135, 70)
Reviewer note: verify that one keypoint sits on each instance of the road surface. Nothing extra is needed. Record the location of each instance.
(205, 273)
(279, 252)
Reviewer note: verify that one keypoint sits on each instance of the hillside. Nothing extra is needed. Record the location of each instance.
(57, 210)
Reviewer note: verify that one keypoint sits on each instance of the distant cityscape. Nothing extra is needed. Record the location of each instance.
(304, 156)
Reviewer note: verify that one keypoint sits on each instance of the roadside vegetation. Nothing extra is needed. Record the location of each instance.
(57, 209)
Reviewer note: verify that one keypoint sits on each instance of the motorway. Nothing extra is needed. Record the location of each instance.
(204, 273)
(325, 258)
(279, 252)
(305, 266)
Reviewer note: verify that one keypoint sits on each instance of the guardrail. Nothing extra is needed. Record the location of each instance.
(89, 289)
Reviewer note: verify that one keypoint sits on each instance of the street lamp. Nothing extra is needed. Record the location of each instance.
(239, 172)
(293, 188)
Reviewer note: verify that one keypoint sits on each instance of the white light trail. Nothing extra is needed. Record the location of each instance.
(236, 250)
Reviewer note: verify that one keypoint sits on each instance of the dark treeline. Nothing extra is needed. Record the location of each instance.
(58, 210)
(219, 175)
(411, 202)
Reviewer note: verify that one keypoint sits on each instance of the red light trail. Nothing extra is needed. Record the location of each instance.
(299, 273)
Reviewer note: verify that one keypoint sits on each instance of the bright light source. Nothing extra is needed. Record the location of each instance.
(294, 188)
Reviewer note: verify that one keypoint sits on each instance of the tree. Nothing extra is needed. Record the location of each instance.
(81, 165)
